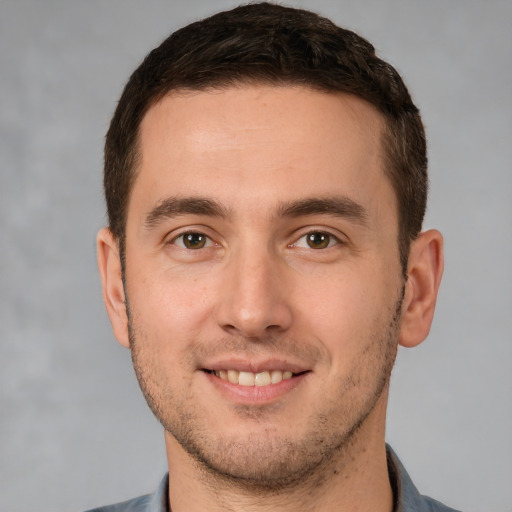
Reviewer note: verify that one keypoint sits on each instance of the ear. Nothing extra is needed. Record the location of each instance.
(109, 264)
(425, 269)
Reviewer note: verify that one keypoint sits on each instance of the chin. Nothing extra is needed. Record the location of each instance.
(260, 462)
(263, 459)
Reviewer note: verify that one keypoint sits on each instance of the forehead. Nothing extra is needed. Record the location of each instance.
(217, 116)
(260, 144)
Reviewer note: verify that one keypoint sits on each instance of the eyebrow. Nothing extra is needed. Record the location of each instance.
(175, 206)
(338, 206)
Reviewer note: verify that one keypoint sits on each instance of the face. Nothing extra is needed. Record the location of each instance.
(263, 277)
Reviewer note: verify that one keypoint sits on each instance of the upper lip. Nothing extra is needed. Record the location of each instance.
(255, 366)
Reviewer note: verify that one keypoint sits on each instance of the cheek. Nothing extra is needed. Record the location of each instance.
(336, 316)
(169, 304)
(345, 309)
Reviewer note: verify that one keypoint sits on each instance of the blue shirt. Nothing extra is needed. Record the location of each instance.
(407, 497)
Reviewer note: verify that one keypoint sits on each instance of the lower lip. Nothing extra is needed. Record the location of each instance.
(255, 395)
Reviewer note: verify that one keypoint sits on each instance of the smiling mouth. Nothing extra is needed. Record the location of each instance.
(265, 378)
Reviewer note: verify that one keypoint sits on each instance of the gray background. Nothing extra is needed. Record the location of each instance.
(74, 429)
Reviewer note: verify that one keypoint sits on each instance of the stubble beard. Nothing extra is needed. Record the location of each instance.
(274, 463)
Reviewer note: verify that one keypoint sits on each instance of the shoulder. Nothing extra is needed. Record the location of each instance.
(157, 502)
(139, 504)
(431, 505)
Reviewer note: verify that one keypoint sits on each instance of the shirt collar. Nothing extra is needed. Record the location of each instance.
(160, 500)
(406, 496)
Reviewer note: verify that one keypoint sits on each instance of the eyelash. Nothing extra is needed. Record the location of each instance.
(208, 242)
(331, 240)
(326, 238)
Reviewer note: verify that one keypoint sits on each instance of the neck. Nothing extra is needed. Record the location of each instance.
(354, 480)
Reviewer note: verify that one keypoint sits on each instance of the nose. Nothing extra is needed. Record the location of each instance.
(255, 298)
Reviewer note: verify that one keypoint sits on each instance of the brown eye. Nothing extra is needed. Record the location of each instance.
(192, 240)
(318, 240)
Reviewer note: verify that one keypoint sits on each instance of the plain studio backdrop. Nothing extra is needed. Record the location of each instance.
(74, 429)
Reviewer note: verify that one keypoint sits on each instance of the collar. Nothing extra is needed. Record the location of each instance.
(406, 497)
(159, 502)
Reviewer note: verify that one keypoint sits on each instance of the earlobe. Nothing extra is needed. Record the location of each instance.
(425, 269)
(109, 264)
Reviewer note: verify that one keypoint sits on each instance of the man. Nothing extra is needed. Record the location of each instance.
(265, 178)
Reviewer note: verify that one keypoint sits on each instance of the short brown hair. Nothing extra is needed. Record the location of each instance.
(270, 44)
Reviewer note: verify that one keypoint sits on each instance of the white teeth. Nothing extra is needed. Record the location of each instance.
(276, 377)
(232, 376)
(262, 379)
(254, 379)
(246, 379)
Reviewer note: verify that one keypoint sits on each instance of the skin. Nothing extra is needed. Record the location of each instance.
(253, 295)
